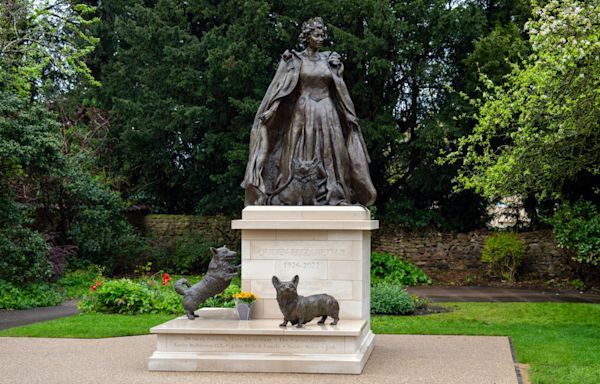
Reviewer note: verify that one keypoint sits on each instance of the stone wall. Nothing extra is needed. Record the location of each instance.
(216, 229)
(445, 256)
(440, 253)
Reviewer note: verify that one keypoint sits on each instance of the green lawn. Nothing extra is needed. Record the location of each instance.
(90, 326)
(561, 342)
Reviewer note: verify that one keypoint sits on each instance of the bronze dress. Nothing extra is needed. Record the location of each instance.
(315, 132)
(313, 119)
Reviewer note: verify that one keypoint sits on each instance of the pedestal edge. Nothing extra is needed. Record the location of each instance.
(365, 225)
(265, 362)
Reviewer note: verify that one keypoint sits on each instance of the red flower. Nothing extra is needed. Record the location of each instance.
(166, 276)
(165, 282)
(93, 287)
(98, 283)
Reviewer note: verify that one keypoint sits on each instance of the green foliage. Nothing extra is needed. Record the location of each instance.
(578, 284)
(97, 223)
(29, 144)
(538, 132)
(224, 299)
(577, 227)
(391, 299)
(458, 212)
(27, 149)
(183, 80)
(23, 256)
(503, 253)
(391, 269)
(48, 182)
(43, 45)
(189, 253)
(145, 295)
(126, 296)
(38, 181)
(31, 295)
(494, 55)
(77, 283)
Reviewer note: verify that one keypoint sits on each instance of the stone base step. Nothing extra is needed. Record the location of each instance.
(261, 346)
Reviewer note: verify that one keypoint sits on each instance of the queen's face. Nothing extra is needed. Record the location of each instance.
(316, 38)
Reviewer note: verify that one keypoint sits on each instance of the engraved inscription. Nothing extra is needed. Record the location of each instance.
(256, 344)
(309, 265)
(308, 269)
(325, 253)
(304, 250)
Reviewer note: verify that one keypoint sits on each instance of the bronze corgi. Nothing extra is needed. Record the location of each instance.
(217, 278)
(299, 310)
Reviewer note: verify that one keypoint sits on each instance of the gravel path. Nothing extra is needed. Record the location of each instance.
(396, 359)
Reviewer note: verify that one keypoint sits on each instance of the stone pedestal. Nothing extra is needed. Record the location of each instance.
(329, 248)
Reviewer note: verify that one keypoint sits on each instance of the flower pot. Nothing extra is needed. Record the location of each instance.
(243, 310)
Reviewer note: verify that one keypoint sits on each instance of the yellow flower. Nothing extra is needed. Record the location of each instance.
(245, 296)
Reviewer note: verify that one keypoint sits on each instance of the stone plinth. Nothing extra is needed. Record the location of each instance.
(328, 247)
(261, 346)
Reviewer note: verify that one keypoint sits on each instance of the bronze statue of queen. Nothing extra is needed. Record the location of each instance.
(306, 147)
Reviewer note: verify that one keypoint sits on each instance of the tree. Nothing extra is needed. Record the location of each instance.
(43, 46)
(26, 147)
(183, 82)
(539, 131)
(51, 195)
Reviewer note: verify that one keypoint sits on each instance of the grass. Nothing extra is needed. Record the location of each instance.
(559, 341)
(90, 326)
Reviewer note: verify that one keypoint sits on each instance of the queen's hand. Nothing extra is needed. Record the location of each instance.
(266, 116)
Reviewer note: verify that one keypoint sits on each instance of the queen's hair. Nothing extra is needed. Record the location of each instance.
(309, 26)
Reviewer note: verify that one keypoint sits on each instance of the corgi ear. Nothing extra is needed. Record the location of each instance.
(213, 250)
(295, 280)
(275, 281)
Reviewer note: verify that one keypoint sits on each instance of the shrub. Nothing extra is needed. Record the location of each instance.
(391, 299)
(23, 256)
(77, 283)
(48, 181)
(503, 253)
(28, 295)
(391, 269)
(578, 284)
(577, 227)
(58, 256)
(82, 216)
(126, 296)
(98, 226)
